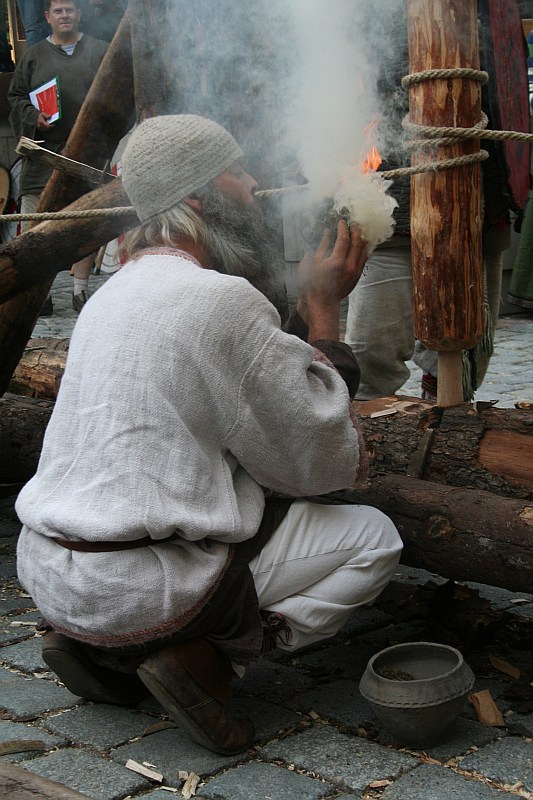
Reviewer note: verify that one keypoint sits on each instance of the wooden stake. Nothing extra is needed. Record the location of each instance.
(450, 380)
(446, 204)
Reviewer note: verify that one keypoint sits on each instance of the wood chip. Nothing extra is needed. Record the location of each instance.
(503, 666)
(189, 787)
(158, 726)
(379, 784)
(21, 746)
(140, 769)
(20, 622)
(183, 775)
(314, 715)
(486, 709)
(388, 412)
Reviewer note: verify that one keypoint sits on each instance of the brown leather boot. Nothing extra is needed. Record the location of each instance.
(192, 682)
(83, 677)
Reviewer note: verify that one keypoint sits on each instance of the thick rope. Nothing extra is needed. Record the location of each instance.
(445, 74)
(118, 211)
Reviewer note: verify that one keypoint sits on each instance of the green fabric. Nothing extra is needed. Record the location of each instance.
(521, 288)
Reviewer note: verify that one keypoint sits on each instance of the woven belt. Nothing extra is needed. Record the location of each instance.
(108, 547)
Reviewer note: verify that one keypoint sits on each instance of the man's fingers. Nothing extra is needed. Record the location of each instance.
(342, 242)
(323, 247)
(358, 249)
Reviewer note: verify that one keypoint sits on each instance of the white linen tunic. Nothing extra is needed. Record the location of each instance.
(181, 399)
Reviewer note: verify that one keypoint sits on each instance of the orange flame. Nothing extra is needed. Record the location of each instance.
(372, 161)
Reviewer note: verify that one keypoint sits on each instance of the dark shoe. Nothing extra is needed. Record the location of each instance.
(85, 678)
(48, 307)
(79, 300)
(192, 682)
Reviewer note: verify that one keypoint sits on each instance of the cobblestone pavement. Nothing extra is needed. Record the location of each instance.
(316, 736)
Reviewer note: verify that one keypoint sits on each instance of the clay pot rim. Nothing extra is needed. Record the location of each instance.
(408, 646)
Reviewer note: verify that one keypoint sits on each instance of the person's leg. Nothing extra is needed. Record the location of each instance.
(496, 240)
(34, 21)
(379, 326)
(81, 271)
(322, 562)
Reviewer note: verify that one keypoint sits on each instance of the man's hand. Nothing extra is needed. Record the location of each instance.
(42, 121)
(326, 279)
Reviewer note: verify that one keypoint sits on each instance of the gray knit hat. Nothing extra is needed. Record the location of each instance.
(169, 157)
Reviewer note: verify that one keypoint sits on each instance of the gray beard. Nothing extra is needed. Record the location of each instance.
(237, 242)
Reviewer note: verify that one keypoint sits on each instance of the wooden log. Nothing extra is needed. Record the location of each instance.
(155, 90)
(446, 204)
(39, 371)
(53, 245)
(104, 119)
(462, 534)
(489, 449)
(23, 421)
(38, 255)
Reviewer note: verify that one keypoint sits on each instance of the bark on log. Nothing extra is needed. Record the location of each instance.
(490, 449)
(53, 245)
(462, 534)
(104, 118)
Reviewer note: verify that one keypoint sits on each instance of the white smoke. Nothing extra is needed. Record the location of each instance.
(296, 82)
(335, 109)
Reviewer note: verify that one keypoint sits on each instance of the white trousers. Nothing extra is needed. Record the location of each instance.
(379, 326)
(321, 563)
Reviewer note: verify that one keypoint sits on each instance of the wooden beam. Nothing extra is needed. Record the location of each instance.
(28, 148)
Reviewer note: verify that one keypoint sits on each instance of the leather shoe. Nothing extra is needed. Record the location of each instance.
(192, 682)
(85, 678)
(79, 299)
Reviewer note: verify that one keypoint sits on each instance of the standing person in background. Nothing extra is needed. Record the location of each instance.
(36, 26)
(74, 58)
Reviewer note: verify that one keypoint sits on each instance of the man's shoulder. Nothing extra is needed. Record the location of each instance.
(89, 42)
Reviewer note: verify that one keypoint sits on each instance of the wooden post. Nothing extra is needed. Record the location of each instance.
(446, 204)
(154, 90)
